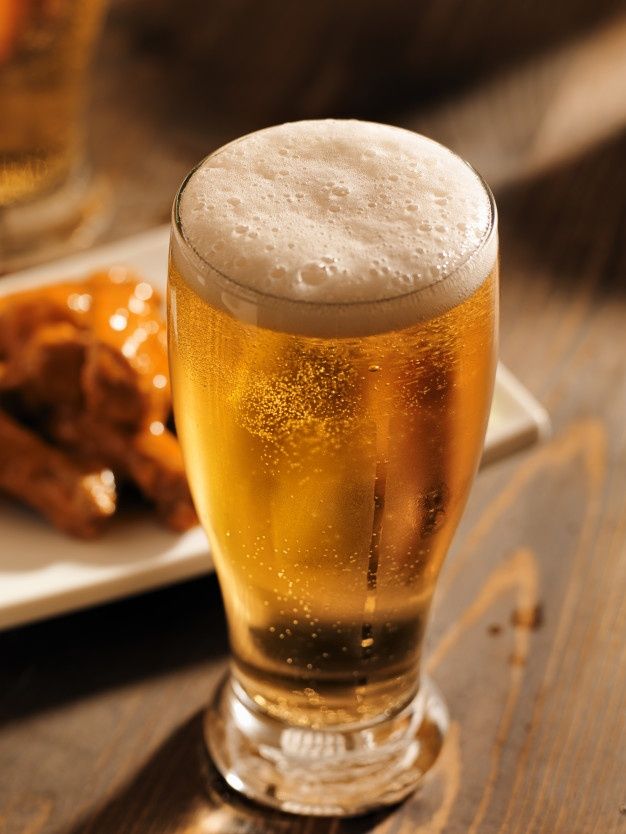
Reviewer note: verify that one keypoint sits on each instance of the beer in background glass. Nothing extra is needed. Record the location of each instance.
(47, 201)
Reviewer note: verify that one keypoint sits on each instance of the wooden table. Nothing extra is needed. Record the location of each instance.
(100, 711)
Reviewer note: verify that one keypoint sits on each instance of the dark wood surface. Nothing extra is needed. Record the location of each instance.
(100, 711)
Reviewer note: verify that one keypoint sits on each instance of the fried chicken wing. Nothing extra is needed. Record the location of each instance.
(46, 370)
(111, 388)
(86, 363)
(151, 458)
(117, 307)
(62, 367)
(76, 499)
(23, 314)
(156, 464)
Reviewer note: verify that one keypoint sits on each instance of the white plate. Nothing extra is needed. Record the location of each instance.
(43, 572)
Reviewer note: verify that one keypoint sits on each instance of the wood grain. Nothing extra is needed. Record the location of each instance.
(100, 712)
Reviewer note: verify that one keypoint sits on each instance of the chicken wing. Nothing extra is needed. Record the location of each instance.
(75, 498)
(86, 364)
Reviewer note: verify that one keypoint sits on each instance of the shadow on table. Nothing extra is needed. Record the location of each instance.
(178, 790)
(69, 658)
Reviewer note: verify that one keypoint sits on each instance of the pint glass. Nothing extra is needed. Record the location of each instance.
(48, 201)
(332, 312)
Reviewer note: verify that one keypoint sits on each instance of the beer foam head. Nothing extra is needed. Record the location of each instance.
(341, 212)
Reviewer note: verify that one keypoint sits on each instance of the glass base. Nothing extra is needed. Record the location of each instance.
(68, 219)
(341, 771)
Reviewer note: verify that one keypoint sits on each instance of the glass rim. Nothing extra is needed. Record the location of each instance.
(246, 292)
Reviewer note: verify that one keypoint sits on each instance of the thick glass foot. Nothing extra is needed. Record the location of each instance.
(329, 772)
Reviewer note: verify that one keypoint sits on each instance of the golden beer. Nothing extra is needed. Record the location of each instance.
(332, 474)
(45, 47)
(43, 51)
(332, 425)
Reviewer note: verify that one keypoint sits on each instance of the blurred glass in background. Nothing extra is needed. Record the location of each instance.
(48, 199)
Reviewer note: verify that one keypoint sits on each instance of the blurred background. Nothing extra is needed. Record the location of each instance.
(517, 88)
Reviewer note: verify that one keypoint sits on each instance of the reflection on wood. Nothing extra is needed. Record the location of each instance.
(584, 438)
(449, 772)
(587, 441)
(519, 573)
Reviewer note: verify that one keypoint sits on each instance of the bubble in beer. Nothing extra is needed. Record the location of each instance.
(313, 274)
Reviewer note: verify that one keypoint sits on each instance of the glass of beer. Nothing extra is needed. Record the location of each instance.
(48, 200)
(332, 313)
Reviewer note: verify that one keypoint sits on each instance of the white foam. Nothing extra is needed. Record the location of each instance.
(337, 213)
